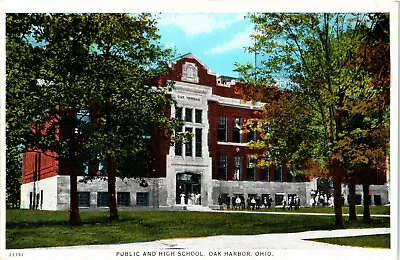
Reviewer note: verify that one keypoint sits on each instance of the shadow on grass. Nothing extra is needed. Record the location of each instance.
(61, 219)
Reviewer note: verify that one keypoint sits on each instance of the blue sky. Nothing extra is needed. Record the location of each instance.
(217, 39)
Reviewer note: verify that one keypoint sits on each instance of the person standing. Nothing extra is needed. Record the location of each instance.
(253, 203)
(183, 199)
(238, 202)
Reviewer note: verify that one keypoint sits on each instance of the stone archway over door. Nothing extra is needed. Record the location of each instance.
(188, 188)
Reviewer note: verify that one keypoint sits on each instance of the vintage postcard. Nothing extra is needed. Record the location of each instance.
(199, 130)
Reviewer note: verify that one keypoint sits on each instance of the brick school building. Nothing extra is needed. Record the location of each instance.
(212, 169)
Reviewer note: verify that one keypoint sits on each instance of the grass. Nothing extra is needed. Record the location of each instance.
(30, 228)
(374, 241)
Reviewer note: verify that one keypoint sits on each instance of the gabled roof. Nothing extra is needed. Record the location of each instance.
(191, 56)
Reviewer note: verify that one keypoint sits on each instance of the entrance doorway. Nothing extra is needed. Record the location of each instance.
(188, 188)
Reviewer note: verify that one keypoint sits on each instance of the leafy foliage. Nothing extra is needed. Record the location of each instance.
(320, 116)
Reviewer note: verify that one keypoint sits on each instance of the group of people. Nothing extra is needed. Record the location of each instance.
(293, 202)
(239, 202)
(192, 199)
(319, 198)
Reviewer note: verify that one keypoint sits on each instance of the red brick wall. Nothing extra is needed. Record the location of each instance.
(44, 168)
(215, 110)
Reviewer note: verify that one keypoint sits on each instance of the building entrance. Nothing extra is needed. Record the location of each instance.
(188, 188)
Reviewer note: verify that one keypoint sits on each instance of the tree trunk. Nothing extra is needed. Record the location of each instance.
(74, 217)
(352, 201)
(112, 187)
(367, 213)
(337, 177)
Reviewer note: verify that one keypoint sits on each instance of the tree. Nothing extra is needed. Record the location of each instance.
(366, 148)
(125, 61)
(316, 53)
(100, 67)
(45, 54)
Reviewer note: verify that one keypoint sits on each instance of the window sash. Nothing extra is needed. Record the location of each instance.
(178, 144)
(142, 199)
(124, 199)
(178, 113)
(103, 199)
(223, 166)
(189, 143)
(198, 116)
(188, 114)
(199, 142)
(251, 168)
(237, 136)
(83, 199)
(238, 164)
(223, 129)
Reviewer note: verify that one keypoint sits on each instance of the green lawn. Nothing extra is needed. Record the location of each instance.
(375, 241)
(29, 228)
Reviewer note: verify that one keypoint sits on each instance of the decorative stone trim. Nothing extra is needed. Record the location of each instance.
(190, 72)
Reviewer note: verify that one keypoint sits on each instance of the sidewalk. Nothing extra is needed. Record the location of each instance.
(263, 241)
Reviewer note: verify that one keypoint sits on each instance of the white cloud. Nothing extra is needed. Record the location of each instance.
(239, 40)
(196, 23)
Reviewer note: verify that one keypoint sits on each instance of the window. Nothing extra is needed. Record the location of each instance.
(223, 129)
(103, 199)
(252, 134)
(198, 116)
(178, 113)
(84, 199)
(279, 173)
(223, 166)
(189, 143)
(142, 199)
(178, 144)
(251, 168)
(237, 171)
(358, 199)
(82, 118)
(278, 199)
(188, 114)
(236, 134)
(377, 200)
(124, 199)
(146, 131)
(265, 173)
(199, 142)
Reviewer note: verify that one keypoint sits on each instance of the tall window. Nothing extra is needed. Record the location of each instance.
(265, 173)
(223, 129)
(82, 118)
(199, 143)
(198, 116)
(178, 144)
(251, 168)
(178, 113)
(279, 173)
(188, 114)
(252, 134)
(237, 170)
(236, 134)
(189, 143)
(223, 166)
